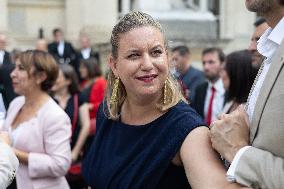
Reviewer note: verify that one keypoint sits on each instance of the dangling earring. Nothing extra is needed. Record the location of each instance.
(166, 91)
(113, 98)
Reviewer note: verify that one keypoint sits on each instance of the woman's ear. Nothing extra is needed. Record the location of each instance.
(113, 65)
(68, 81)
(40, 77)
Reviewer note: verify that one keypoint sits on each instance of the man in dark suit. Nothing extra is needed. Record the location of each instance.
(210, 96)
(4, 55)
(86, 52)
(62, 50)
(189, 76)
(6, 67)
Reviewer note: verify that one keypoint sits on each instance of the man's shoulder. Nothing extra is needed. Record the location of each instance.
(202, 85)
(194, 72)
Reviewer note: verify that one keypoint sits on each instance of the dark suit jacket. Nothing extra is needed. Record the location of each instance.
(6, 87)
(69, 54)
(7, 59)
(93, 54)
(191, 79)
(199, 100)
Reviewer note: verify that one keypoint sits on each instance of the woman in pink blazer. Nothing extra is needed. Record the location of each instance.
(40, 130)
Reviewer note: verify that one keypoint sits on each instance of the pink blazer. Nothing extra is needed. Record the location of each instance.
(46, 138)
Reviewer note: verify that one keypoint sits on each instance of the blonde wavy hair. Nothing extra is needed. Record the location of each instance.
(173, 94)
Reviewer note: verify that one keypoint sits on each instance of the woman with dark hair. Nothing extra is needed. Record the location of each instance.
(238, 75)
(88, 69)
(66, 93)
(40, 130)
(94, 88)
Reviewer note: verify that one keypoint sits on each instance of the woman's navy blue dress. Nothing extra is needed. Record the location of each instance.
(125, 156)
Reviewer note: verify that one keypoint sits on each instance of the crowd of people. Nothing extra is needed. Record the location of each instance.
(155, 122)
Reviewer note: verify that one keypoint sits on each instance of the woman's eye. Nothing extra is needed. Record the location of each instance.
(21, 67)
(133, 56)
(157, 53)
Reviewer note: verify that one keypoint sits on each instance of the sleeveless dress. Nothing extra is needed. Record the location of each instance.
(125, 156)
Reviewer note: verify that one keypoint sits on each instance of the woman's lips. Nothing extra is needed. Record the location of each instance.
(147, 78)
(14, 83)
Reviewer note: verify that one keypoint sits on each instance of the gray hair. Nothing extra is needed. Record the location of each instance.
(131, 21)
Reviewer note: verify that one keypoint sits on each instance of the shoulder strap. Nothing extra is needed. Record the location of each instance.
(75, 114)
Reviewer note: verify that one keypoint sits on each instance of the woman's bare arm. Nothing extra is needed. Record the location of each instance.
(202, 165)
(84, 132)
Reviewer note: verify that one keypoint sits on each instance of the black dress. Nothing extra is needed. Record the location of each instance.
(139, 157)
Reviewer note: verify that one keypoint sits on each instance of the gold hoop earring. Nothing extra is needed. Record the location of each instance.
(166, 91)
(114, 94)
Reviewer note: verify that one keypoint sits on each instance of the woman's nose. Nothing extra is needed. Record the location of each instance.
(13, 73)
(147, 62)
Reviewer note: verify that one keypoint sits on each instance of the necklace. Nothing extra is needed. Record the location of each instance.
(254, 84)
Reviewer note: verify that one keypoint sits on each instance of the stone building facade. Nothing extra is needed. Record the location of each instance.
(197, 23)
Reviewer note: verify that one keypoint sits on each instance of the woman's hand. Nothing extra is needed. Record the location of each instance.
(74, 156)
(22, 156)
(90, 106)
(4, 137)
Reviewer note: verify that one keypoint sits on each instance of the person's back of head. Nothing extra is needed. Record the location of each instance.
(41, 44)
(241, 75)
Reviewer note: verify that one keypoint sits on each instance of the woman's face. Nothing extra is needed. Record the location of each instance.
(61, 82)
(22, 81)
(83, 71)
(225, 78)
(142, 62)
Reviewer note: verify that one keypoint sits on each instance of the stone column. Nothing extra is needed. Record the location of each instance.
(94, 18)
(150, 5)
(3, 16)
(73, 19)
(235, 19)
(125, 6)
(236, 24)
(203, 5)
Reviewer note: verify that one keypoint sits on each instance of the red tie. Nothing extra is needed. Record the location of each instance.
(210, 107)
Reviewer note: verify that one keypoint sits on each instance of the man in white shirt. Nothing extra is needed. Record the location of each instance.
(4, 55)
(210, 96)
(5, 84)
(252, 137)
(8, 161)
(86, 51)
(62, 50)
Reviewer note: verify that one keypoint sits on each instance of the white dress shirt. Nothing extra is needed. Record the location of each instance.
(267, 46)
(2, 106)
(218, 101)
(86, 53)
(2, 53)
(60, 48)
